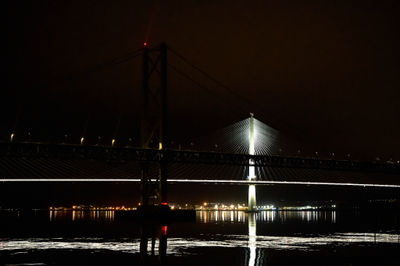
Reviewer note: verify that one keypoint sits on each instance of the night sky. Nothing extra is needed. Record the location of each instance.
(324, 74)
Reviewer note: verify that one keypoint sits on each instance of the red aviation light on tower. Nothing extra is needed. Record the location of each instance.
(145, 44)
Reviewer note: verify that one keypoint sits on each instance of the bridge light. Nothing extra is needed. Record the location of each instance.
(12, 137)
(164, 230)
(112, 142)
(82, 140)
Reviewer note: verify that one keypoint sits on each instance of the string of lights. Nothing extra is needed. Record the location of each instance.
(204, 181)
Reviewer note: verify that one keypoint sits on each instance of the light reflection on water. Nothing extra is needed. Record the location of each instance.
(256, 247)
(81, 215)
(252, 224)
(182, 246)
(254, 244)
(209, 216)
(267, 216)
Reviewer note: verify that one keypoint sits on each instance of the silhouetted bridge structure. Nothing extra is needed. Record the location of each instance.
(252, 160)
(25, 160)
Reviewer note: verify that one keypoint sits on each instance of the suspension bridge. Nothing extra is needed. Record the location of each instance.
(248, 152)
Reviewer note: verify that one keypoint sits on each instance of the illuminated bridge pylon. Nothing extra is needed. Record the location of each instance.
(252, 205)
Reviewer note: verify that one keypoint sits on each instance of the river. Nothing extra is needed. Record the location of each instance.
(216, 238)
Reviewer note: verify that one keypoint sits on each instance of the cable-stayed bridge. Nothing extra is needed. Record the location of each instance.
(247, 152)
(39, 162)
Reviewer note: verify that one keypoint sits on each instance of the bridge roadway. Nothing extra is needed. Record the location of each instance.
(79, 163)
(203, 181)
(123, 154)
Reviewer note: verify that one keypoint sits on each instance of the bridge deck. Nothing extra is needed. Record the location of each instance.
(85, 169)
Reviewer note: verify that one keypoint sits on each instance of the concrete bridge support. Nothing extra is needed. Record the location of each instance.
(252, 188)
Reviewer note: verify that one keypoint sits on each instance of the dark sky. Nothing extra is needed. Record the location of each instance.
(325, 73)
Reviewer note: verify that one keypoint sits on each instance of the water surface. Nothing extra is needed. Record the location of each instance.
(217, 238)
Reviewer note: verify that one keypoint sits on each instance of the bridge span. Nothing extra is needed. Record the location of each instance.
(44, 162)
(109, 154)
(202, 181)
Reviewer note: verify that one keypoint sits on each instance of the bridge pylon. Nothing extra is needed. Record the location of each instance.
(154, 122)
(252, 205)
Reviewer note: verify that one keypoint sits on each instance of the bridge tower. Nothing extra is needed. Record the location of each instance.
(154, 121)
(252, 188)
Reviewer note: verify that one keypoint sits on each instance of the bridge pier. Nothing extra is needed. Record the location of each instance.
(252, 204)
